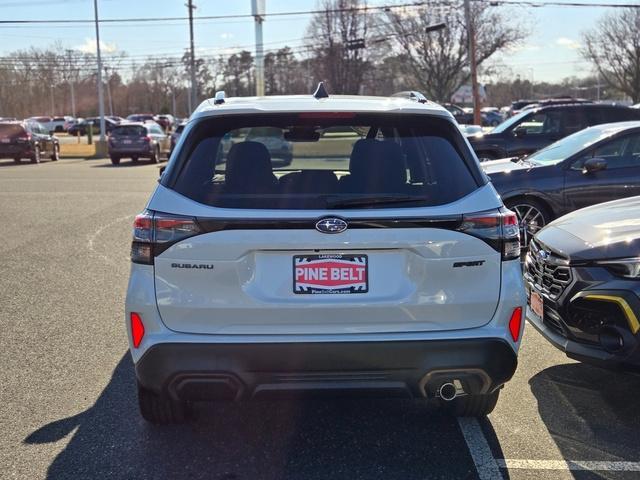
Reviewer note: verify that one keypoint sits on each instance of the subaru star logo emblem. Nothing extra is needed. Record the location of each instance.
(331, 225)
(543, 254)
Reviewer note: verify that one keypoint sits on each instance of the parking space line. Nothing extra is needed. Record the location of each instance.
(573, 465)
(486, 465)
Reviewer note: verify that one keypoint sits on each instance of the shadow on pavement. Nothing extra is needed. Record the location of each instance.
(337, 439)
(128, 163)
(591, 413)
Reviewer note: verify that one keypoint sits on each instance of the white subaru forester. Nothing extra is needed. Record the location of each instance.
(301, 245)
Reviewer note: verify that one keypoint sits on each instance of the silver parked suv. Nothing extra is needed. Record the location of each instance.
(379, 260)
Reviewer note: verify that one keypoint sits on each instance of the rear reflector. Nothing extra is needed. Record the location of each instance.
(515, 323)
(137, 329)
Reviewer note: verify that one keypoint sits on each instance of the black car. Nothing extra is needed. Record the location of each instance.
(138, 140)
(595, 165)
(536, 128)
(582, 276)
(175, 136)
(462, 117)
(30, 140)
(82, 128)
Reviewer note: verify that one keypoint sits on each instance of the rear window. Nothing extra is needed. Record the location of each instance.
(10, 130)
(129, 131)
(318, 161)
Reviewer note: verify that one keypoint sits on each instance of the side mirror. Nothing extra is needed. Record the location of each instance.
(520, 132)
(593, 165)
(162, 169)
(51, 132)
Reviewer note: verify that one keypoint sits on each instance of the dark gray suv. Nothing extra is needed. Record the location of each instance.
(138, 140)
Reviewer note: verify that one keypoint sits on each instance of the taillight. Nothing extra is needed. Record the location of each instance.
(24, 138)
(137, 329)
(499, 228)
(153, 233)
(146, 139)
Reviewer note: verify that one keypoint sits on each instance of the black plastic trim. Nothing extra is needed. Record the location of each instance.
(451, 222)
(377, 366)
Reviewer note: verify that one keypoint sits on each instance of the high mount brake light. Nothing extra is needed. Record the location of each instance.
(154, 232)
(499, 228)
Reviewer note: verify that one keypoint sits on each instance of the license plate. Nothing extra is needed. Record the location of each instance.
(127, 142)
(5, 140)
(537, 304)
(330, 273)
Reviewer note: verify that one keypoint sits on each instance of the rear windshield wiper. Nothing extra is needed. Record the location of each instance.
(364, 201)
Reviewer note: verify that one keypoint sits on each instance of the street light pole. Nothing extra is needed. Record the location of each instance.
(258, 11)
(477, 119)
(100, 88)
(193, 99)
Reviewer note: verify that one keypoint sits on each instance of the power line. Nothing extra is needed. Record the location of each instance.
(538, 4)
(234, 16)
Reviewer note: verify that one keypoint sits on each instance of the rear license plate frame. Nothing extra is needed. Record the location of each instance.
(351, 262)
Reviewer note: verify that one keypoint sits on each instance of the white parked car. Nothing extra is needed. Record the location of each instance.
(379, 260)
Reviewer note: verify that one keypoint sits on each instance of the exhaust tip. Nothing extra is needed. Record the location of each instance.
(447, 391)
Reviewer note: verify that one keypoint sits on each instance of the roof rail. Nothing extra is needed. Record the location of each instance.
(412, 95)
(218, 99)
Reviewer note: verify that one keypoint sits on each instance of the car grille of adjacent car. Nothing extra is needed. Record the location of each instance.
(549, 272)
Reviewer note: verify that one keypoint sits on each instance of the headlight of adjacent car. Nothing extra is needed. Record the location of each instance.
(624, 267)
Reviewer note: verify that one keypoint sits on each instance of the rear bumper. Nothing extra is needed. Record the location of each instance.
(199, 371)
(129, 151)
(15, 150)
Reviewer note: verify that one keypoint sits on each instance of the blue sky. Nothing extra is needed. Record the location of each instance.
(549, 53)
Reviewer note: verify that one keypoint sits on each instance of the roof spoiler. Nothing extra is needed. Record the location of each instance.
(411, 95)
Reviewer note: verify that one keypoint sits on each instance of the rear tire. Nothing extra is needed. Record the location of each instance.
(56, 153)
(532, 217)
(155, 156)
(473, 405)
(115, 160)
(35, 157)
(160, 409)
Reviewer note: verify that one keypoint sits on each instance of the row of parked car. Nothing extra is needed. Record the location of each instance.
(137, 136)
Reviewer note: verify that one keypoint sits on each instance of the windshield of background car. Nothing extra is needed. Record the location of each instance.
(507, 124)
(315, 160)
(568, 146)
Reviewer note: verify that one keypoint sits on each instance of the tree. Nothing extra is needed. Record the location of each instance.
(341, 33)
(613, 47)
(437, 62)
(284, 74)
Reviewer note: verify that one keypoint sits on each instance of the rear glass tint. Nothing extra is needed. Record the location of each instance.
(318, 161)
(10, 130)
(129, 131)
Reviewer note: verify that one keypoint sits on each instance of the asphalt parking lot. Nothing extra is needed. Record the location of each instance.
(67, 391)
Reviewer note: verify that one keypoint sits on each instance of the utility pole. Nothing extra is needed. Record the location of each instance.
(70, 79)
(100, 88)
(471, 33)
(258, 12)
(193, 99)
